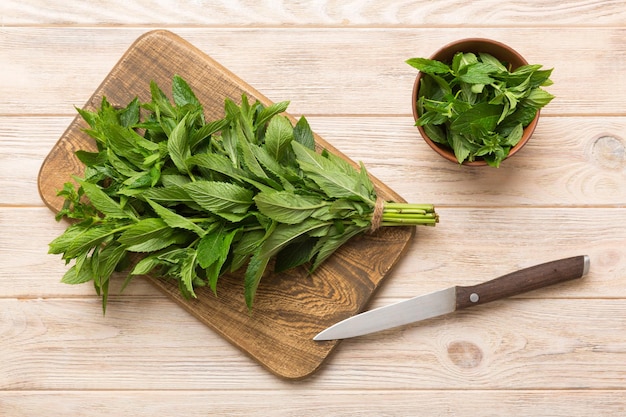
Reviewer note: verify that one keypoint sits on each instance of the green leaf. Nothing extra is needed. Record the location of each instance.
(175, 220)
(303, 134)
(162, 105)
(251, 163)
(91, 158)
(88, 238)
(478, 73)
(150, 234)
(146, 265)
(482, 115)
(462, 60)
(188, 272)
(90, 117)
(103, 203)
(129, 116)
(219, 197)
(218, 163)
(538, 98)
(182, 93)
(514, 136)
(287, 207)
(436, 134)
(252, 278)
(108, 259)
(295, 254)
(493, 62)
(124, 142)
(269, 112)
(76, 275)
(215, 246)
(62, 242)
(278, 138)
(285, 234)
(523, 115)
(178, 146)
(245, 247)
(206, 131)
(329, 245)
(428, 66)
(284, 173)
(327, 175)
(459, 146)
(172, 194)
(434, 87)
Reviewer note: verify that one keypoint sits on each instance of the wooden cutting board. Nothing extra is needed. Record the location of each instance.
(290, 307)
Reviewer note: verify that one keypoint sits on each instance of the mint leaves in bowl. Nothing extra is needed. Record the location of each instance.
(477, 101)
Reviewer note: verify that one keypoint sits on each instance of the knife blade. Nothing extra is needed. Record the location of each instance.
(458, 297)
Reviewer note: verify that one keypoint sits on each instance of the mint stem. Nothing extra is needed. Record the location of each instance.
(406, 214)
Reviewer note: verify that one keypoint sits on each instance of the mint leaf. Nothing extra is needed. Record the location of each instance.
(252, 278)
(303, 134)
(150, 235)
(178, 146)
(74, 275)
(287, 207)
(278, 138)
(428, 66)
(333, 181)
(219, 197)
(267, 113)
(182, 93)
(477, 73)
(483, 115)
(105, 204)
(175, 220)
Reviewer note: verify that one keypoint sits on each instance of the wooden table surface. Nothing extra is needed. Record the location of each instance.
(559, 351)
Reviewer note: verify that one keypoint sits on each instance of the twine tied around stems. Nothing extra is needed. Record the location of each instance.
(377, 214)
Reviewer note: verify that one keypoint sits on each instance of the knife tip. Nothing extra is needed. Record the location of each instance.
(320, 337)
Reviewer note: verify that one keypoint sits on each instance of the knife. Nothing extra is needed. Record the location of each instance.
(456, 298)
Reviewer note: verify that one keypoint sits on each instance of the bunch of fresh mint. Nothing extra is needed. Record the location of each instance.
(193, 200)
(476, 106)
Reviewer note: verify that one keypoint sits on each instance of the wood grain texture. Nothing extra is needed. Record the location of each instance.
(290, 307)
(345, 403)
(553, 352)
(309, 66)
(66, 344)
(321, 12)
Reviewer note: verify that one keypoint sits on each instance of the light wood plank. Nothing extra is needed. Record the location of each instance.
(24, 144)
(66, 344)
(301, 401)
(570, 161)
(466, 247)
(320, 12)
(321, 70)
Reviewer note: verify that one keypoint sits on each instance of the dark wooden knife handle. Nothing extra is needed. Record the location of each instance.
(521, 281)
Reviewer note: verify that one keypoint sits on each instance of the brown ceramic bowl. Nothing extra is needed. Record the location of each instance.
(498, 50)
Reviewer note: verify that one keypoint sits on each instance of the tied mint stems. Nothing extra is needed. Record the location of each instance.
(406, 214)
